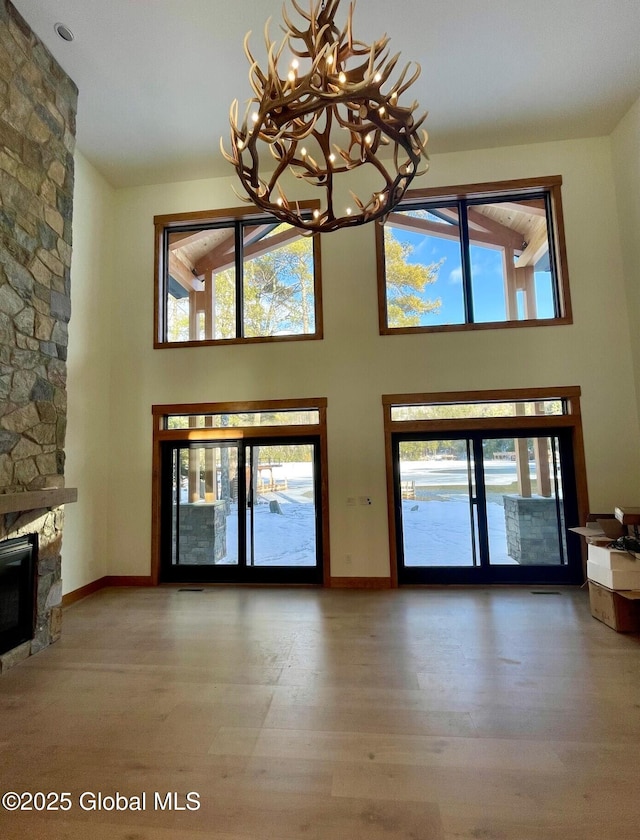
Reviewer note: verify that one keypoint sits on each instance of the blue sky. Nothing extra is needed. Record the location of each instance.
(487, 281)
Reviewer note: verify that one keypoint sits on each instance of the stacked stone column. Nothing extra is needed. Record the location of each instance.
(38, 105)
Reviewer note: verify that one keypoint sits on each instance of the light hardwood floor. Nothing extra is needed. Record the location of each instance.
(302, 714)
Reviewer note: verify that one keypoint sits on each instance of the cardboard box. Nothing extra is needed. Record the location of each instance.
(613, 578)
(612, 527)
(601, 532)
(628, 515)
(592, 534)
(612, 558)
(620, 610)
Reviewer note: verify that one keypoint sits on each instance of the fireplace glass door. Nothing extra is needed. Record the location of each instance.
(17, 594)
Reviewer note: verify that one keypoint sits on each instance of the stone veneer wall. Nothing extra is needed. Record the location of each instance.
(203, 525)
(38, 105)
(532, 530)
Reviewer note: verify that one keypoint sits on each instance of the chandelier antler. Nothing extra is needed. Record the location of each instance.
(326, 117)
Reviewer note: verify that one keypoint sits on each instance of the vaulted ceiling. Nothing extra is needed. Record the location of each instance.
(156, 78)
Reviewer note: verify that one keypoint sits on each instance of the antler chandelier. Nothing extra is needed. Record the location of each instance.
(324, 118)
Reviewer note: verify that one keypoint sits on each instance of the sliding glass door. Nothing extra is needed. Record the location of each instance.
(485, 507)
(281, 511)
(241, 511)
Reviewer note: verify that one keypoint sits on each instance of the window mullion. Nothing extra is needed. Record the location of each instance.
(553, 265)
(239, 256)
(465, 257)
(163, 279)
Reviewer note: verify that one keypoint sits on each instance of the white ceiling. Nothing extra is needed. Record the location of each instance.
(156, 77)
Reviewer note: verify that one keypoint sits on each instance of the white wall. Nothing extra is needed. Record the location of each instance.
(84, 555)
(353, 366)
(625, 146)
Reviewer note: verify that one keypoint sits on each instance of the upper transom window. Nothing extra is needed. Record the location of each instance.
(478, 410)
(474, 257)
(253, 419)
(232, 276)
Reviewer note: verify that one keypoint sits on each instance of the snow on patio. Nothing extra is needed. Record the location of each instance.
(438, 532)
(436, 524)
(286, 538)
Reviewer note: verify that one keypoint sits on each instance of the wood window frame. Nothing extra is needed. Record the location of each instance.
(496, 190)
(164, 224)
(246, 433)
(572, 420)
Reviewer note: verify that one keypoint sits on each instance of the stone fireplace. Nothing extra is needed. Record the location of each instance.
(43, 521)
(37, 137)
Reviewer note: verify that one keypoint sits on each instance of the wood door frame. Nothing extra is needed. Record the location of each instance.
(572, 420)
(161, 435)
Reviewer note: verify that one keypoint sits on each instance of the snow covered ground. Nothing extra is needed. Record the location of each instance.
(437, 528)
(436, 524)
(279, 539)
(283, 538)
(438, 533)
